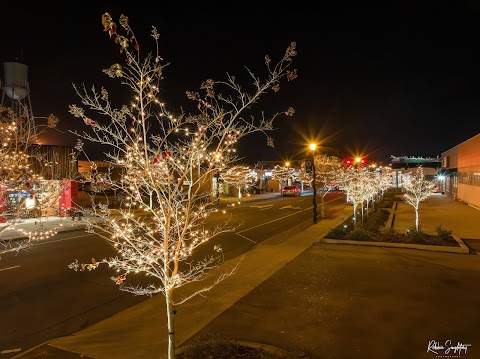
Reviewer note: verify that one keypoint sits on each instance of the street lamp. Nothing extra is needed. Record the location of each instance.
(287, 166)
(313, 147)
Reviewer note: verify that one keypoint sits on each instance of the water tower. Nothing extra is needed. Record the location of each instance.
(15, 88)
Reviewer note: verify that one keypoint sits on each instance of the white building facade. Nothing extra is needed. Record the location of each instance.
(461, 171)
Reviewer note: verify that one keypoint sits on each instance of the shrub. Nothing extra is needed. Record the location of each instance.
(413, 235)
(359, 234)
(389, 235)
(392, 196)
(442, 233)
(376, 220)
(385, 204)
(337, 233)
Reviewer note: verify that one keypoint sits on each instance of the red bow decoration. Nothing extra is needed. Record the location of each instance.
(88, 121)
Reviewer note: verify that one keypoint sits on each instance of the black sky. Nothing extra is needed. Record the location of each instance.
(396, 79)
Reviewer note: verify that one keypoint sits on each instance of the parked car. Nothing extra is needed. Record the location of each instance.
(291, 191)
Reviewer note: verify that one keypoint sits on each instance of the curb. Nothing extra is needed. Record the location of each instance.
(463, 249)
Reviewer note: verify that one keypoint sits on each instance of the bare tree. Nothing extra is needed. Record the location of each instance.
(170, 158)
(24, 191)
(417, 188)
(239, 177)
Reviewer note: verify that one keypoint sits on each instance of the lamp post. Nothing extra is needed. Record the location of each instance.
(313, 147)
(287, 166)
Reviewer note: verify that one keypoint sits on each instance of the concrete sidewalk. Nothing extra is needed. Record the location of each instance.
(260, 300)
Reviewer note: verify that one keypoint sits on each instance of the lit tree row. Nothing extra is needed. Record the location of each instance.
(364, 187)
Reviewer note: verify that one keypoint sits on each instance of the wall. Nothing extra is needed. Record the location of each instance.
(469, 171)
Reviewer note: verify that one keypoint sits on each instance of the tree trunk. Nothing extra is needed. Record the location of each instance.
(171, 324)
(354, 215)
(416, 217)
(322, 203)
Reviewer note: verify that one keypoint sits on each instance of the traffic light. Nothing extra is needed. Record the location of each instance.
(360, 161)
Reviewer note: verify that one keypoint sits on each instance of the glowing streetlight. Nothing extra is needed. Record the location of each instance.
(287, 166)
(313, 147)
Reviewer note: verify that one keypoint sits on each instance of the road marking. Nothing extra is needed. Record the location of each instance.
(6, 351)
(2, 269)
(248, 239)
(60, 240)
(280, 218)
(290, 207)
(267, 206)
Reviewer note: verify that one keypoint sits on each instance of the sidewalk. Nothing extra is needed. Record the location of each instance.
(256, 291)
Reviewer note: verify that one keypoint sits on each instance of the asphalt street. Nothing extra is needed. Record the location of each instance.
(319, 299)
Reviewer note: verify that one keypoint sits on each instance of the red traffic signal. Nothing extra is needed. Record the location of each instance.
(355, 161)
(360, 160)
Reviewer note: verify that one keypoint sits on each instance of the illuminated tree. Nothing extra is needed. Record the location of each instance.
(239, 177)
(282, 174)
(385, 179)
(325, 176)
(166, 164)
(23, 190)
(417, 188)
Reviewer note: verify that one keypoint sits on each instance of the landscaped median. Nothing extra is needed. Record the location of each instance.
(377, 229)
(462, 248)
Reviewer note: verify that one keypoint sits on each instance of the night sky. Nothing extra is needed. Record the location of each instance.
(402, 79)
